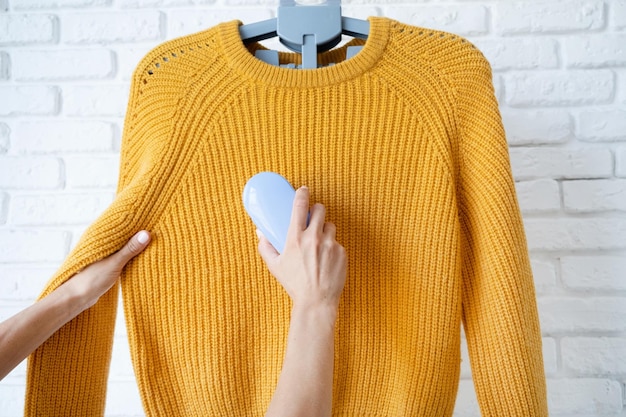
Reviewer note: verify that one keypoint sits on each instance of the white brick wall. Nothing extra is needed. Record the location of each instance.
(70, 64)
(32, 100)
(24, 29)
(559, 73)
(593, 272)
(559, 88)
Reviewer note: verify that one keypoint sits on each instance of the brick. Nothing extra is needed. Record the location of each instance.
(618, 14)
(620, 95)
(4, 138)
(498, 86)
(620, 162)
(544, 275)
(129, 26)
(4, 206)
(77, 232)
(550, 361)
(594, 195)
(269, 2)
(32, 246)
(593, 396)
(23, 29)
(168, 3)
(590, 233)
(548, 16)
(30, 172)
(530, 163)
(77, 64)
(594, 355)
(525, 53)
(128, 59)
(602, 125)
(117, 136)
(54, 4)
(466, 404)
(578, 314)
(466, 368)
(123, 399)
(460, 19)
(184, 22)
(121, 367)
(525, 127)
(12, 399)
(559, 88)
(23, 284)
(538, 196)
(64, 136)
(28, 100)
(605, 273)
(597, 51)
(92, 172)
(101, 100)
(58, 209)
(4, 66)
(359, 11)
(121, 332)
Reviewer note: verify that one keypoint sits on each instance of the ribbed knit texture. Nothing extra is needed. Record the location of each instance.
(404, 145)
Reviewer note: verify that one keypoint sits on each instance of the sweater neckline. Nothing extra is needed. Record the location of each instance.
(241, 59)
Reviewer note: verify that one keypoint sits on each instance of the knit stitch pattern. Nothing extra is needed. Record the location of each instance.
(404, 145)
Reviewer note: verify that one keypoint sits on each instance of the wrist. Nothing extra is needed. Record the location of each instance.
(322, 314)
(78, 297)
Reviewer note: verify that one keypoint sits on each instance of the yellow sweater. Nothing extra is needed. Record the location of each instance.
(404, 145)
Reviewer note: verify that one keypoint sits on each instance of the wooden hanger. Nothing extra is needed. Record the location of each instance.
(306, 27)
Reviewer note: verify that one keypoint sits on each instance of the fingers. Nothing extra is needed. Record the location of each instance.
(330, 229)
(300, 210)
(133, 248)
(301, 214)
(266, 250)
(318, 212)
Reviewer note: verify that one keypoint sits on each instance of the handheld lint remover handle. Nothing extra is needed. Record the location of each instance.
(268, 199)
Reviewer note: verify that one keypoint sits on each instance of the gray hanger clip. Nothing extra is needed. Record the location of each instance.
(307, 29)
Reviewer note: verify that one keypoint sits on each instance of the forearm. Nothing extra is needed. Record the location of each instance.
(21, 334)
(306, 380)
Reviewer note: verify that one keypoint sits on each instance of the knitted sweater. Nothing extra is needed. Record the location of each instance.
(404, 145)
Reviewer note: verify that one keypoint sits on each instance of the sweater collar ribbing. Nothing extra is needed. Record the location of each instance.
(241, 59)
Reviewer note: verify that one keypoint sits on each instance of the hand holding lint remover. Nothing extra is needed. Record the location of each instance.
(268, 199)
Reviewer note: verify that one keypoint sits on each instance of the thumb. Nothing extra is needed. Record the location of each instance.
(133, 248)
(266, 250)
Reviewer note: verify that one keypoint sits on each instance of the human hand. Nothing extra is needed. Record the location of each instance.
(89, 284)
(22, 333)
(312, 267)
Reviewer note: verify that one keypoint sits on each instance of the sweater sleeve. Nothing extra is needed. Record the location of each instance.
(499, 306)
(67, 375)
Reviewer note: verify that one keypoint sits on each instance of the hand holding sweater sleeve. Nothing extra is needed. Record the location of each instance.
(499, 307)
(67, 375)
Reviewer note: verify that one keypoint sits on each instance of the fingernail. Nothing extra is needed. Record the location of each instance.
(304, 188)
(143, 236)
(259, 234)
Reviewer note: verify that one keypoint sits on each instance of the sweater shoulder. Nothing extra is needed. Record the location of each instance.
(159, 82)
(451, 56)
(179, 58)
(442, 76)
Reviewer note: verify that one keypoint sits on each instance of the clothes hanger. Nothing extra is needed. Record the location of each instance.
(306, 27)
